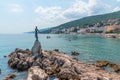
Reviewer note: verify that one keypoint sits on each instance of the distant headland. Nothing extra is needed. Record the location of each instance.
(107, 24)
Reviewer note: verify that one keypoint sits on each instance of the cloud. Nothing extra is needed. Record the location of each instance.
(118, 0)
(116, 9)
(50, 12)
(15, 8)
(78, 9)
(52, 16)
(81, 9)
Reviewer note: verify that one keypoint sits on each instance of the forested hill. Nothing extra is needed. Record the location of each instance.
(83, 22)
(91, 20)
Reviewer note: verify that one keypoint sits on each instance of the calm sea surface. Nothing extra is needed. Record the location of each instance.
(91, 48)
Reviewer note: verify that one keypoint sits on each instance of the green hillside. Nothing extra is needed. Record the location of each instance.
(83, 22)
(91, 20)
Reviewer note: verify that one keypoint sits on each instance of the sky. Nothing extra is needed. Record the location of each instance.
(18, 16)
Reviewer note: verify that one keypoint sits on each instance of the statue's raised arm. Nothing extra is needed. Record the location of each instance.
(36, 33)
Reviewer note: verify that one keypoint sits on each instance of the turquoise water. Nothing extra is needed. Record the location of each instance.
(91, 48)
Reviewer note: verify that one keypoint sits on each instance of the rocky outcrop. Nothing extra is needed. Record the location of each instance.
(56, 63)
(111, 35)
(0, 71)
(56, 50)
(36, 73)
(20, 59)
(10, 77)
(104, 64)
(5, 56)
(75, 53)
(36, 49)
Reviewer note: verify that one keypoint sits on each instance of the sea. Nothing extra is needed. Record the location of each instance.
(90, 47)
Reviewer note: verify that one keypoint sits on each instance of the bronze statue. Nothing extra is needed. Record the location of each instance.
(36, 33)
(36, 49)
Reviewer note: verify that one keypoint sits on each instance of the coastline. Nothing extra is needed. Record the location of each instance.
(59, 64)
(112, 35)
(66, 37)
(106, 35)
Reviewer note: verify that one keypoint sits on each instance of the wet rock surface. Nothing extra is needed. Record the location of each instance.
(10, 77)
(20, 59)
(0, 71)
(75, 53)
(104, 64)
(56, 63)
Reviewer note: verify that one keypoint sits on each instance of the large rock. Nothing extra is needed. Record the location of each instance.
(36, 49)
(61, 65)
(72, 69)
(36, 73)
(75, 53)
(68, 74)
(20, 59)
(10, 77)
(0, 71)
(104, 64)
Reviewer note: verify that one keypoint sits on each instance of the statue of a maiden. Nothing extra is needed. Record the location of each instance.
(36, 49)
(36, 33)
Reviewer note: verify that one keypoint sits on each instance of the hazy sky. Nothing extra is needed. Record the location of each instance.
(17, 16)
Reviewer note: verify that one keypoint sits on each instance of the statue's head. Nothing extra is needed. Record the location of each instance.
(36, 27)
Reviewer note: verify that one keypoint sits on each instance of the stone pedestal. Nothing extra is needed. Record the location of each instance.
(36, 49)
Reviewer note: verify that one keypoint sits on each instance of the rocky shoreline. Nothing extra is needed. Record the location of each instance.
(58, 64)
(112, 35)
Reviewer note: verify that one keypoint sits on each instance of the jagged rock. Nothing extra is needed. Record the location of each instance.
(36, 73)
(20, 59)
(46, 62)
(5, 56)
(10, 77)
(75, 53)
(78, 70)
(55, 68)
(56, 50)
(60, 62)
(36, 49)
(101, 63)
(62, 66)
(27, 51)
(49, 71)
(114, 66)
(0, 71)
(68, 74)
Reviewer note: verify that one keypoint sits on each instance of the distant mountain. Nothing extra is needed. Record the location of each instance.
(91, 20)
